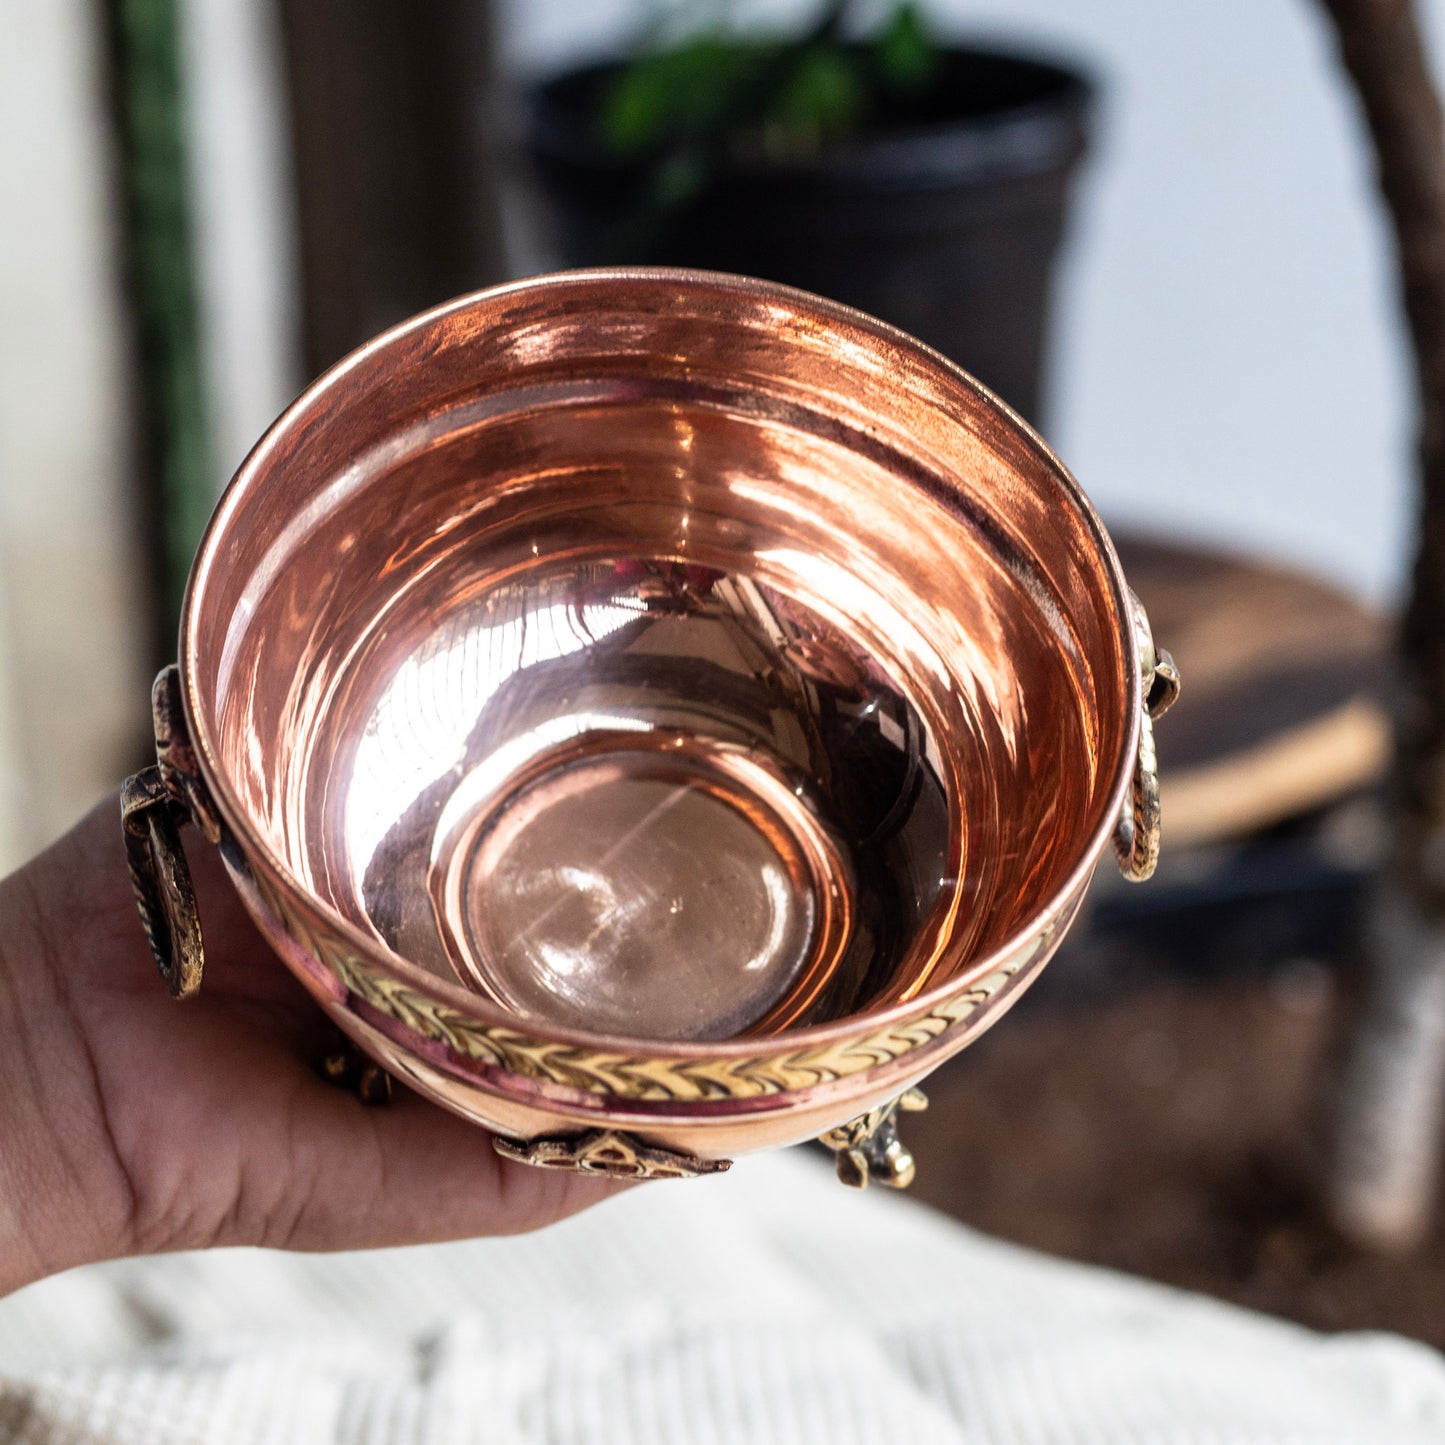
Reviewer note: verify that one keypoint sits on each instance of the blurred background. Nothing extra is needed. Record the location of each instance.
(1225, 357)
(207, 202)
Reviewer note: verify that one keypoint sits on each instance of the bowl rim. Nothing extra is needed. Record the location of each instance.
(376, 954)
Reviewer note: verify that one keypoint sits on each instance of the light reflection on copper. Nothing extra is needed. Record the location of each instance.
(421, 721)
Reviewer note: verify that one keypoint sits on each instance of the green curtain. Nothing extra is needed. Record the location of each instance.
(155, 183)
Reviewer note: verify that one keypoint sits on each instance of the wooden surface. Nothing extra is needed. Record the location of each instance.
(1282, 709)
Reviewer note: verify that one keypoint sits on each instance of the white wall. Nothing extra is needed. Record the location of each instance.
(74, 711)
(1229, 359)
(245, 225)
(72, 693)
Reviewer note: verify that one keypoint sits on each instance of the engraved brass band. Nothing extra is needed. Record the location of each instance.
(661, 1079)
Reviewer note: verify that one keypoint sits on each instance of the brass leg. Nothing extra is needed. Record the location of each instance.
(613, 1152)
(348, 1068)
(868, 1147)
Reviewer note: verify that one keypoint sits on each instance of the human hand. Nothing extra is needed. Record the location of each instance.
(131, 1124)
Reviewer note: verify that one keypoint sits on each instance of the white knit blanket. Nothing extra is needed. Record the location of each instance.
(768, 1305)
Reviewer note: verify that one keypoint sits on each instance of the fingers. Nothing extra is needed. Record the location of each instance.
(410, 1173)
(225, 1125)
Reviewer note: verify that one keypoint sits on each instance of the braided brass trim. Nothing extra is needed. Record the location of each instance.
(689, 1080)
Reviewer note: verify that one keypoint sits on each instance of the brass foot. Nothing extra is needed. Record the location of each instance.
(348, 1068)
(607, 1151)
(868, 1147)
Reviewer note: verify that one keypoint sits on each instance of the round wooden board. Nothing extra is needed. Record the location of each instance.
(1282, 709)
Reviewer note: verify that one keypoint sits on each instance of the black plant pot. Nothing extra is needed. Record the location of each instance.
(945, 221)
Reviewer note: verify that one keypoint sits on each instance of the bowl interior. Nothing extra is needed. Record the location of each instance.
(661, 656)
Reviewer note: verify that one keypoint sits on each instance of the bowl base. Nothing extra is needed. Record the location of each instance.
(652, 886)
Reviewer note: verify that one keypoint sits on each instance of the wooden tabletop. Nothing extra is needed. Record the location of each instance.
(1282, 709)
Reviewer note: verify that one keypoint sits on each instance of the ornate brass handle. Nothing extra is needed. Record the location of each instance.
(154, 804)
(161, 879)
(1136, 836)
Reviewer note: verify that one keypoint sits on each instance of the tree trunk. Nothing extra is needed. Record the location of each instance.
(1386, 1121)
(396, 183)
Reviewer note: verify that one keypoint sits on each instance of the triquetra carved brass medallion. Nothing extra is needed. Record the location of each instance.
(658, 715)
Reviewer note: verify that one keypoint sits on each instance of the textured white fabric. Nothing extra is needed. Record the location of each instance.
(767, 1305)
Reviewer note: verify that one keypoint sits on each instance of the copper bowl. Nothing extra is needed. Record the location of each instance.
(656, 714)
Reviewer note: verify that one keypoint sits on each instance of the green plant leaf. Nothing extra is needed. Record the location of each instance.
(906, 55)
(824, 94)
(691, 90)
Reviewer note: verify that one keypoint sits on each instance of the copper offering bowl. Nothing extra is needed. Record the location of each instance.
(656, 714)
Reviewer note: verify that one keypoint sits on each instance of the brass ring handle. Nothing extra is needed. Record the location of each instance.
(1137, 833)
(151, 818)
(154, 804)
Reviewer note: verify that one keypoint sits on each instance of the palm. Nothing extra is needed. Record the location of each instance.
(207, 1122)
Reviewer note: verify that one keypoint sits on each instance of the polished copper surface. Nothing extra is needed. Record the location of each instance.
(632, 694)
